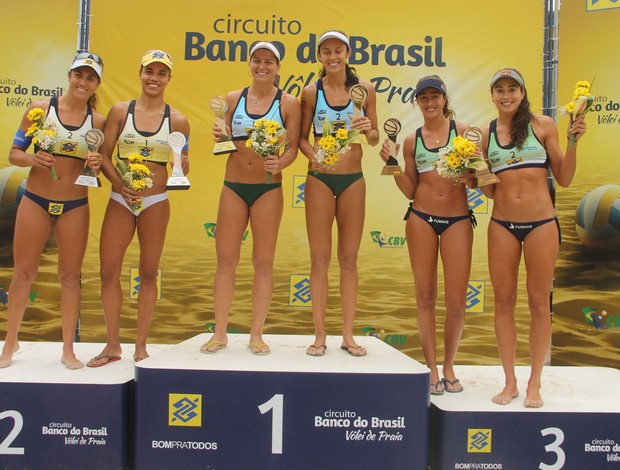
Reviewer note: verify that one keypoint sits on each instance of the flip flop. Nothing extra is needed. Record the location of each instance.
(316, 351)
(259, 349)
(453, 385)
(437, 388)
(108, 360)
(205, 348)
(355, 351)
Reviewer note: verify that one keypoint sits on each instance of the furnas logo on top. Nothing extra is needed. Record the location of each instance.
(386, 241)
(397, 341)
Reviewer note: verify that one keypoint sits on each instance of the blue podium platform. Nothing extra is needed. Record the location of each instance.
(286, 410)
(55, 418)
(577, 428)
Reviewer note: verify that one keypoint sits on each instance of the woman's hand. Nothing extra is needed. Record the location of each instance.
(218, 133)
(43, 159)
(271, 164)
(361, 123)
(385, 152)
(577, 128)
(93, 160)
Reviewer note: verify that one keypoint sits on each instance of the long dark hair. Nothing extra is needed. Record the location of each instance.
(519, 127)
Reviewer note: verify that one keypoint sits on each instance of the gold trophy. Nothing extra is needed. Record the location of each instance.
(359, 95)
(219, 106)
(177, 180)
(392, 128)
(94, 138)
(485, 177)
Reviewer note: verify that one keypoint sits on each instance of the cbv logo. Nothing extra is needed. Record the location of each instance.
(386, 241)
(391, 339)
(4, 295)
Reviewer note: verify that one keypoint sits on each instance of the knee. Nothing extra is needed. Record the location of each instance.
(348, 261)
(148, 276)
(320, 264)
(69, 279)
(455, 307)
(505, 300)
(426, 300)
(24, 276)
(227, 264)
(539, 306)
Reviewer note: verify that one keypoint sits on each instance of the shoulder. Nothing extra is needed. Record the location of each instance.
(119, 108)
(542, 124)
(98, 120)
(178, 121)
(309, 90)
(461, 127)
(369, 86)
(289, 100)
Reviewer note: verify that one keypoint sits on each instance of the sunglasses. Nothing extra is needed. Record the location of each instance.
(89, 55)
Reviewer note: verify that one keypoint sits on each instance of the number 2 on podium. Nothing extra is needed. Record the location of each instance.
(275, 403)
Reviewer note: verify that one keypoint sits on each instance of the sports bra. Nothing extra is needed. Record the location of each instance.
(338, 116)
(425, 158)
(501, 158)
(70, 139)
(152, 146)
(242, 121)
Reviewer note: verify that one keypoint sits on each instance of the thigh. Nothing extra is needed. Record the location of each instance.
(152, 225)
(71, 230)
(540, 252)
(423, 245)
(320, 213)
(232, 221)
(117, 231)
(350, 214)
(455, 246)
(265, 218)
(32, 229)
(504, 256)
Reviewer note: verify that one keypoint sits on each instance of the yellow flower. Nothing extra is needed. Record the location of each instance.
(327, 142)
(138, 185)
(570, 107)
(139, 168)
(342, 134)
(259, 123)
(331, 159)
(135, 158)
(463, 145)
(32, 129)
(35, 114)
(454, 160)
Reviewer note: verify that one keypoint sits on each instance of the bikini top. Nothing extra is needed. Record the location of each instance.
(338, 116)
(531, 155)
(242, 121)
(152, 146)
(425, 158)
(70, 139)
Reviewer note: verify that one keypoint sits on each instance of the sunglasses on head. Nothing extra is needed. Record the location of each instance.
(89, 55)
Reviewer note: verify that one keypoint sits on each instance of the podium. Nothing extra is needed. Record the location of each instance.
(52, 417)
(286, 410)
(577, 428)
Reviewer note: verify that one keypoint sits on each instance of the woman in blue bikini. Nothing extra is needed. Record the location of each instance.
(56, 204)
(248, 197)
(438, 223)
(340, 193)
(140, 126)
(520, 148)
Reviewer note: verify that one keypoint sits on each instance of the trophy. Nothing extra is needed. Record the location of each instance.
(392, 128)
(94, 138)
(359, 95)
(178, 180)
(485, 177)
(219, 106)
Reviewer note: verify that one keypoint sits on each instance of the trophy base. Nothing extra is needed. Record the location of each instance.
(222, 148)
(177, 182)
(91, 181)
(391, 170)
(486, 178)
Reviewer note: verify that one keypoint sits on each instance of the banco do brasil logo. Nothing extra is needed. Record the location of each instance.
(184, 409)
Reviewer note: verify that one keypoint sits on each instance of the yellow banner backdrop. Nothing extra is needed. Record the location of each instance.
(393, 44)
(587, 294)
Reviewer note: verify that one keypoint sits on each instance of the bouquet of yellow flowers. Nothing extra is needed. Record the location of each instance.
(43, 137)
(457, 158)
(136, 175)
(266, 138)
(332, 146)
(580, 105)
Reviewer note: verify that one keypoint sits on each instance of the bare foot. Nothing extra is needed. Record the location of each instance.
(7, 356)
(71, 362)
(533, 399)
(505, 396)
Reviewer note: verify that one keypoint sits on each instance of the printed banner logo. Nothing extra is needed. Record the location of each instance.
(134, 283)
(594, 5)
(479, 441)
(475, 297)
(299, 192)
(386, 241)
(184, 409)
(477, 201)
(299, 290)
(394, 340)
(210, 228)
(601, 321)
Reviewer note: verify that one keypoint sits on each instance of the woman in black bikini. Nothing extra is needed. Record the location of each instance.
(520, 147)
(438, 222)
